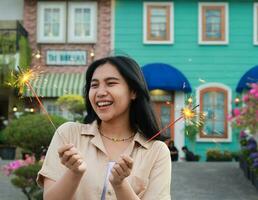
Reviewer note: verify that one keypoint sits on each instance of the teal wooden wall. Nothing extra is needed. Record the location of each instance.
(222, 63)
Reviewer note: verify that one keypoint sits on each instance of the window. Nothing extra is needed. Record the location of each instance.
(213, 23)
(158, 23)
(256, 23)
(214, 101)
(54, 109)
(51, 22)
(82, 22)
(81, 26)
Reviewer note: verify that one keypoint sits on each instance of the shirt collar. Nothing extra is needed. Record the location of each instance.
(92, 129)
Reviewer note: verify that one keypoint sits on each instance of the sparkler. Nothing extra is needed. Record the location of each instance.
(187, 113)
(22, 80)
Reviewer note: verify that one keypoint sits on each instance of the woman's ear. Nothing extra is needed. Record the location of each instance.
(133, 95)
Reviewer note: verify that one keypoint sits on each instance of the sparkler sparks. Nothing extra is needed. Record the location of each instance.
(186, 113)
(22, 80)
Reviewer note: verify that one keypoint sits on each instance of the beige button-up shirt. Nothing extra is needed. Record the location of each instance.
(150, 177)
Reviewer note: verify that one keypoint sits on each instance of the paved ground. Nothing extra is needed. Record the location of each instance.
(7, 190)
(210, 181)
(191, 181)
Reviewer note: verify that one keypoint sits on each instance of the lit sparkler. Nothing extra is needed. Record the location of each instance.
(187, 113)
(19, 80)
(23, 79)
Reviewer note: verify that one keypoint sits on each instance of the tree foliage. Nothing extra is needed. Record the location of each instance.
(71, 102)
(25, 179)
(32, 132)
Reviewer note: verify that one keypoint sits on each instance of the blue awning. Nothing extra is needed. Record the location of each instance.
(251, 76)
(165, 77)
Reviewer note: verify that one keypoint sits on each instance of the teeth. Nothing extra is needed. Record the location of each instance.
(104, 103)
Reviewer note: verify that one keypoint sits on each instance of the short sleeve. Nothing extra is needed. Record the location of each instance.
(160, 176)
(52, 168)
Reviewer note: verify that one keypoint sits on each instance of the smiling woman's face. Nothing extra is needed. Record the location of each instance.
(109, 94)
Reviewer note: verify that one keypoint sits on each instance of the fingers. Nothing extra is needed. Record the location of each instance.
(121, 170)
(64, 148)
(71, 158)
(128, 160)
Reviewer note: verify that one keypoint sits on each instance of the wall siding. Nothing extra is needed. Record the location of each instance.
(224, 63)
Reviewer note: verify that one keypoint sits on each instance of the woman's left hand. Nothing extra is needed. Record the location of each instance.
(121, 170)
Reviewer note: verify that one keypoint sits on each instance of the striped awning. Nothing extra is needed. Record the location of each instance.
(57, 84)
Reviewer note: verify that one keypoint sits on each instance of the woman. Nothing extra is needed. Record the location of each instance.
(109, 157)
(173, 150)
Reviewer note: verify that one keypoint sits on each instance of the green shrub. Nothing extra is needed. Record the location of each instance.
(71, 102)
(191, 131)
(74, 104)
(235, 155)
(2, 139)
(217, 155)
(32, 132)
(25, 179)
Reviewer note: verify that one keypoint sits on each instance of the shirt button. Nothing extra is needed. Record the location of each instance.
(109, 193)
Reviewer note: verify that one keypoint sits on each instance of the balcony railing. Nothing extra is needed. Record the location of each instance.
(10, 34)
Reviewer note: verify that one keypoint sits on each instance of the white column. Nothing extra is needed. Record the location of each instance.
(179, 126)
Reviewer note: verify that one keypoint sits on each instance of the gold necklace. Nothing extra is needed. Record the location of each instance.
(116, 139)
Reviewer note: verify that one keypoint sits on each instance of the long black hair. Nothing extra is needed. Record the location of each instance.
(142, 118)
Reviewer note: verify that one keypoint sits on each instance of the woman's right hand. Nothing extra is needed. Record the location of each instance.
(72, 159)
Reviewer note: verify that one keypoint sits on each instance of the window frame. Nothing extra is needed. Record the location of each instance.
(225, 22)
(170, 30)
(255, 23)
(40, 22)
(92, 38)
(51, 103)
(227, 136)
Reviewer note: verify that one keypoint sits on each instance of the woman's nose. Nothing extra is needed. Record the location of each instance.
(101, 92)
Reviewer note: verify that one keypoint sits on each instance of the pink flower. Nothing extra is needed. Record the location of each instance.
(252, 91)
(10, 167)
(256, 95)
(245, 98)
(236, 112)
(238, 121)
(230, 117)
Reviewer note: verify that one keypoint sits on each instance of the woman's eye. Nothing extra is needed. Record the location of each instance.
(111, 83)
(93, 85)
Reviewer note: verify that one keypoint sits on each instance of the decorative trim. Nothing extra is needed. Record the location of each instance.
(171, 23)
(255, 16)
(179, 135)
(40, 20)
(113, 25)
(92, 38)
(201, 41)
(229, 108)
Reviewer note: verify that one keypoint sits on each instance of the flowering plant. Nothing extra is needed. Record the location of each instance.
(9, 168)
(255, 166)
(246, 117)
(24, 173)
